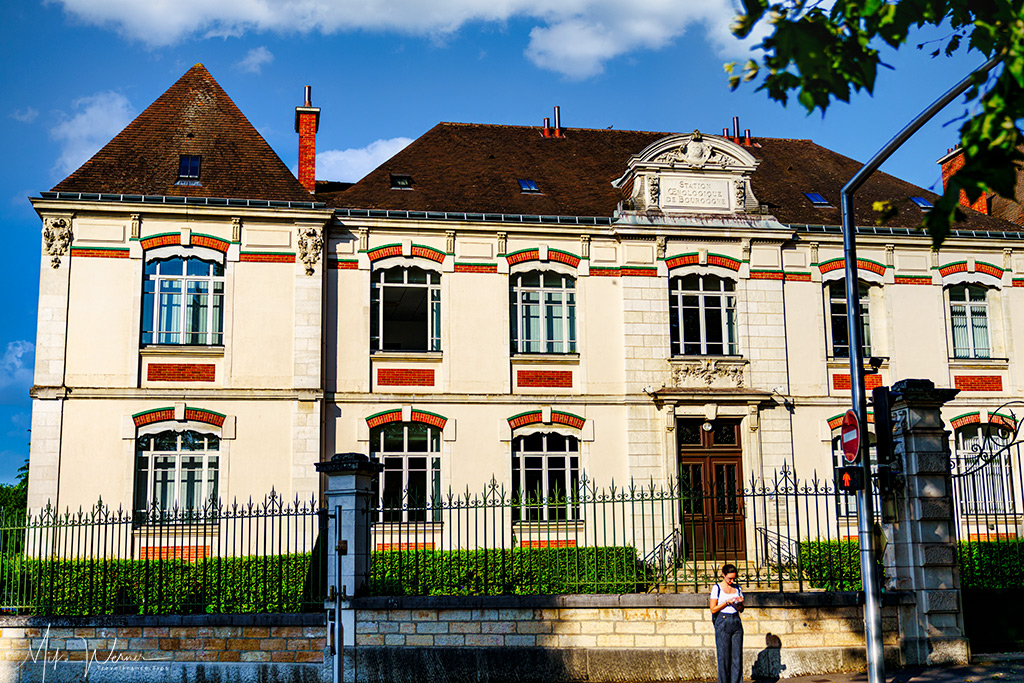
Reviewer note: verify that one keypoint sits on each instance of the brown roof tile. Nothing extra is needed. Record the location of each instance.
(476, 168)
(196, 117)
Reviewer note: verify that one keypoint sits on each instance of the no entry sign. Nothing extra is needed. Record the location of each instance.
(849, 435)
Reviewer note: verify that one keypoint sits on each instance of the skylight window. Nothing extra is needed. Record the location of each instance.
(922, 202)
(818, 200)
(529, 186)
(188, 170)
(401, 181)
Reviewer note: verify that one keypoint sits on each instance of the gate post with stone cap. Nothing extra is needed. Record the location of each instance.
(349, 498)
(921, 554)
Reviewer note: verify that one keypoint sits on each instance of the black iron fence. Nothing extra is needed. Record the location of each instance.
(781, 533)
(243, 557)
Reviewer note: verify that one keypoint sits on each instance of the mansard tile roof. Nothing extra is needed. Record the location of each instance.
(193, 117)
(476, 167)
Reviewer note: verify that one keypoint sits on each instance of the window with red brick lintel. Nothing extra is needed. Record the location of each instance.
(176, 471)
(968, 315)
(411, 481)
(405, 310)
(545, 477)
(542, 309)
(183, 302)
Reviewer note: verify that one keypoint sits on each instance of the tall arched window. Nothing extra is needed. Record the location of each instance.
(405, 310)
(176, 471)
(703, 315)
(838, 324)
(968, 314)
(545, 477)
(183, 302)
(411, 481)
(984, 470)
(543, 312)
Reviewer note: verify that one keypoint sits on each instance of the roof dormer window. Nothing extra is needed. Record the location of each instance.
(528, 186)
(925, 205)
(401, 181)
(188, 170)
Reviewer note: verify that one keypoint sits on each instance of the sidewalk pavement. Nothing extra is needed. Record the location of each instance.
(1001, 668)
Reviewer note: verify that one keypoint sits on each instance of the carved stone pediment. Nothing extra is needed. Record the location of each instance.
(690, 174)
(715, 373)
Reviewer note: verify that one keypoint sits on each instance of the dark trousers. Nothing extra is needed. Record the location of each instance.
(729, 643)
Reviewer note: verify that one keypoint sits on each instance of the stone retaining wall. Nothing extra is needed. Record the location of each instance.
(602, 638)
(258, 647)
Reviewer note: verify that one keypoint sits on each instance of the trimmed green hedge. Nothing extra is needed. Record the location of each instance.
(991, 564)
(831, 565)
(520, 571)
(282, 583)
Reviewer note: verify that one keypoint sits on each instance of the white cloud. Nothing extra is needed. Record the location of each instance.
(350, 165)
(26, 115)
(572, 37)
(16, 365)
(96, 119)
(255, 59)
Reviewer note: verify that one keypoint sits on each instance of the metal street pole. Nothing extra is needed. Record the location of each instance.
(865, 502)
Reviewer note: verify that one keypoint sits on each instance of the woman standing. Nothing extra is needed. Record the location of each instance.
(726, 605)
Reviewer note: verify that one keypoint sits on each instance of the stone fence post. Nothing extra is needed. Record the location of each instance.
(348, 497)
(921, 553)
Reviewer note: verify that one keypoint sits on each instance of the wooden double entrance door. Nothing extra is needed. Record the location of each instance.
(711, 485)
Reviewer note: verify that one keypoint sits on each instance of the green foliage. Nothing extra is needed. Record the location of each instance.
(991, 564)
(280, 583)
(831, 565)
(521, 571)
(828, 54)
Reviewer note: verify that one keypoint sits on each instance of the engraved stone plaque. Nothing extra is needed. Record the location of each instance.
(695, 192)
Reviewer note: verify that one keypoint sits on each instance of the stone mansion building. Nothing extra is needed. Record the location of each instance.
(532, 305)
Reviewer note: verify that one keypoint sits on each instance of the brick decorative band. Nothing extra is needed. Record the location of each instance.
(567, 543)
(862, 264)
(428, 253)
(556, 255)
(344, 264)
(387, 416)
(385, 547)
(266, 257)
(210, 242)
(964, 420)
(978, 382)
(913, 280)
(625, 271)
(988, 269)
(842, 382)
(537, 417)
(476, 267)
(546, 379)
(683, 260)
(836, 421)
(405, 377)
(604, 272)
(181, 372)
(189, 553)
(173, 238)
(723, 261)
(979, 267)
(951, 268)
(767, 275)
(167, 415)
(385, 251)
(99, 252)
(1018, 282)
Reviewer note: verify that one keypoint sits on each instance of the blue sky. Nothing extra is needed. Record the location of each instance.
(384, 71)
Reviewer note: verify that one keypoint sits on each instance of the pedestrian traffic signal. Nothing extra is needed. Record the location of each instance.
(850, 478)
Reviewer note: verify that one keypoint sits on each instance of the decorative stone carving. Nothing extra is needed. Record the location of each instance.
(56, 238)
(311, 244)
(502, 243)
(585, 246)
(707, 371)
(935, 257)
(745, 249)
(890, 256)
(741, 193)
(662, 247)
(136, 226)
(449, 242)
(236, 229)
(814, 253)
(364, 238)
(653, 189)
(1008, 259)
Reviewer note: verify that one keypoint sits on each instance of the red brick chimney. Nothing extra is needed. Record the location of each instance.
(307, 123)
(951, 163)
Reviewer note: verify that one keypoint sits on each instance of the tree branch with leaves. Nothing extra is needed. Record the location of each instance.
(822, 55)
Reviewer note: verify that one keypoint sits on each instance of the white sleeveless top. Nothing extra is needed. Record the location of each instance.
(716, 594)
